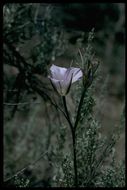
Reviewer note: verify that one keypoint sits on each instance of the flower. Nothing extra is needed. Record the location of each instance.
(61, 78)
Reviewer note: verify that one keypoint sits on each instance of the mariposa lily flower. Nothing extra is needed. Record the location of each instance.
(61, 78)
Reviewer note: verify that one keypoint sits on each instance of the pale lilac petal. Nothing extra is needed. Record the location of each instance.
(56, 84)
(57, 72)
(61, 78)
(68, 83)
(77, 74)
(64, 86)
(68, 74)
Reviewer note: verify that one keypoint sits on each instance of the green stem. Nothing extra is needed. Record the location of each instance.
(79, 109)
(67, 114)
(74, 144)
(75, 160)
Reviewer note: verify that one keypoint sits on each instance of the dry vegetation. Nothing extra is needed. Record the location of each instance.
(31, 122)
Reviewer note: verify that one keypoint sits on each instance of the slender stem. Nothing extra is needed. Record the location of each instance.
(79, 108)
(74, 144)
(75, 160)
(67, 114)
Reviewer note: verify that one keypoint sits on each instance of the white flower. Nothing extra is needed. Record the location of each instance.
(61, 78)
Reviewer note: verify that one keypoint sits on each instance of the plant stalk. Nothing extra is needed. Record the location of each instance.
(74, 144)
(79, 109)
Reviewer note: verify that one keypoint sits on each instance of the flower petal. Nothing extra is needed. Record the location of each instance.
(64, 86)
(61, 78)
(68, 84)
(77, 74)
(68, 74)
(56, 84)
(57, 72)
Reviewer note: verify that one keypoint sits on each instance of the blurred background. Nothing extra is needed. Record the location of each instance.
(36, 35)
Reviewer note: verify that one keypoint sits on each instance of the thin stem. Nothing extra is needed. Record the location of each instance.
(67, 114)
(74, 144)
(75, 160)
(79, 109)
